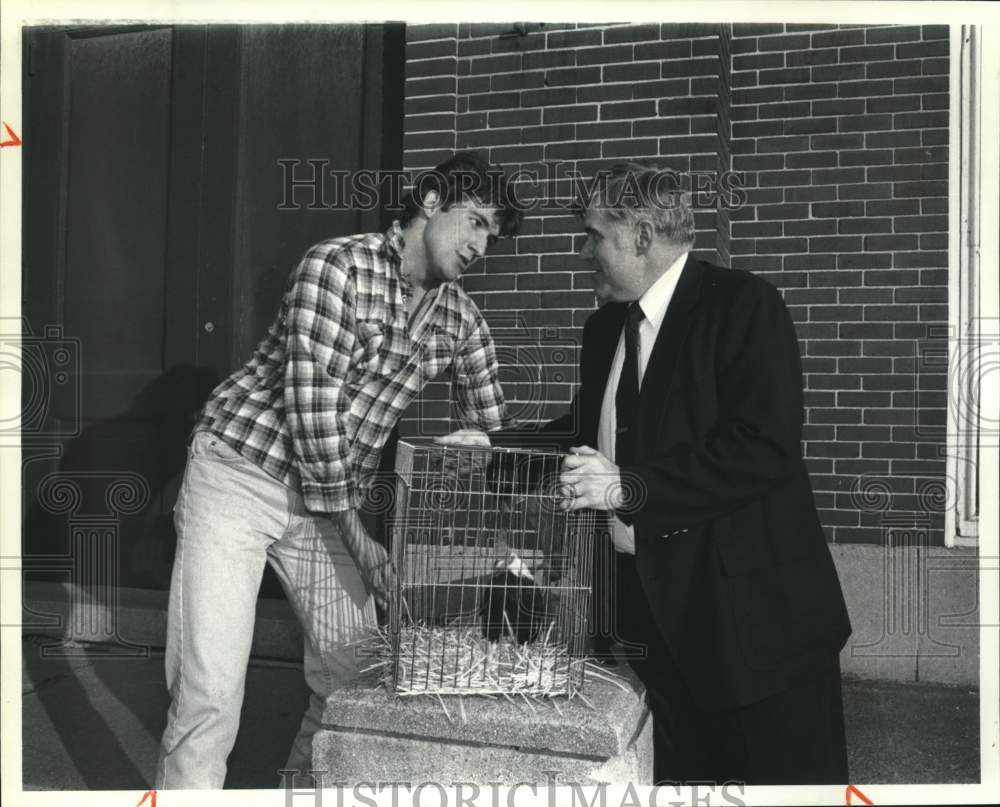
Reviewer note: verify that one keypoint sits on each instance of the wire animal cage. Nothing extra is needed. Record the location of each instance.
(494, 578)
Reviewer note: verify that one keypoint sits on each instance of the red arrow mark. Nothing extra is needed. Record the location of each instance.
(146, 796)
(14, 139)
(853, 791)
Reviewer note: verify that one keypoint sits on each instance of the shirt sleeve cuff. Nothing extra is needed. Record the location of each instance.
(330, 497)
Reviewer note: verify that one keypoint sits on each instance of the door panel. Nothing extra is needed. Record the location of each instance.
(118, 164)
(98, 157)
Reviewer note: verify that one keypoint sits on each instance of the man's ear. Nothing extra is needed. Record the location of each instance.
(430, 204)
(644, 235)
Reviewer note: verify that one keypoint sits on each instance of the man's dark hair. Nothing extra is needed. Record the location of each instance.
(466, 175)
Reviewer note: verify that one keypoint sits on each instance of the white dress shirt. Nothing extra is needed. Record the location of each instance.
(654, 305)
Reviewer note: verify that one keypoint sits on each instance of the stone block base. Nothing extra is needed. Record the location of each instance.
(370, 735)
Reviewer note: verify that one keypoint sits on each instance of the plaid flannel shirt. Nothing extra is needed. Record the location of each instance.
(317, 401)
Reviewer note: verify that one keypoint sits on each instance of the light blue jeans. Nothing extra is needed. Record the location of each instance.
(231, 518)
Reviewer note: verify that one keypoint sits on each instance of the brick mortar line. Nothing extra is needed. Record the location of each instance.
(594, 49)
(624, 82)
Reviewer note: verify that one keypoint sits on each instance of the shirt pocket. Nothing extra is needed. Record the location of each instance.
(370, 343)
(436, 352)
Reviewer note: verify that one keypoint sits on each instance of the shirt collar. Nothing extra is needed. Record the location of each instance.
(657, 297)
(392, 249)
(393, 244)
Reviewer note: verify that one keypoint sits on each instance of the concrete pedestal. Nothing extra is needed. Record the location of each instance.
(370, 735)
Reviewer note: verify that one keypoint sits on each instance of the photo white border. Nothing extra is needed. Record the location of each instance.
(16, 13)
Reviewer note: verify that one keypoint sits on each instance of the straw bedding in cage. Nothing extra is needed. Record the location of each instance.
(459, 661)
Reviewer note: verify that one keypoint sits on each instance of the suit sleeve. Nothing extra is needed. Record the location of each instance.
(559, 434)
(754, 443)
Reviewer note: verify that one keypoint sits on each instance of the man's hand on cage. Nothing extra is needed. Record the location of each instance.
(370, 556)
(588, 479)
(462, 462)
(465, 437)
(381, 577)
(377, 570)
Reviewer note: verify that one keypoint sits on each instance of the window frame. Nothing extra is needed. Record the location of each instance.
(964, 260)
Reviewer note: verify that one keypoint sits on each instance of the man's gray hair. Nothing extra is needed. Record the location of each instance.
(630, 191)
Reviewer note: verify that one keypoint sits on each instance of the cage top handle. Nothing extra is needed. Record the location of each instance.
(428, 442)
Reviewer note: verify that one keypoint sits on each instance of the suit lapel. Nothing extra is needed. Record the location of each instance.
(659, 376)
(611, 330)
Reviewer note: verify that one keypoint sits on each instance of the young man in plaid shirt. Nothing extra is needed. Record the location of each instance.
(286, 446)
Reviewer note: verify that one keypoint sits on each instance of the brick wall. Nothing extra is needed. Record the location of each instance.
(842, 136)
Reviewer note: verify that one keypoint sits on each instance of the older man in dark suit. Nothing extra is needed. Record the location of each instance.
(690, 419)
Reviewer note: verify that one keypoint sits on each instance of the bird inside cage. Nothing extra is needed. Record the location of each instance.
(512, 605)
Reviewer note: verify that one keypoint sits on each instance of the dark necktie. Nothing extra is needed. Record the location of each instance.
(627, 396)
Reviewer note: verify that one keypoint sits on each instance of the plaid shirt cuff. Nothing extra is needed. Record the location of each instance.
(330, 497)
(489, 420)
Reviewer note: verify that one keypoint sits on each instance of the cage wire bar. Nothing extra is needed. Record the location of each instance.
(494, 578)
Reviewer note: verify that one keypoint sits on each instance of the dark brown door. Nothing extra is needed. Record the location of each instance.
(155, 250)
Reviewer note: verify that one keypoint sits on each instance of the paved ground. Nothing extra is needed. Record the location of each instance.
(93, 722)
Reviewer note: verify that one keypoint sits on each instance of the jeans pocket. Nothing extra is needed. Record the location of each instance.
(206, 446)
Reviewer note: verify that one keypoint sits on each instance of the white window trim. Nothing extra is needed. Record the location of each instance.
(964, 258)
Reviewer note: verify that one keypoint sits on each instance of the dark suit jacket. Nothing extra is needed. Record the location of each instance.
(729, 549)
